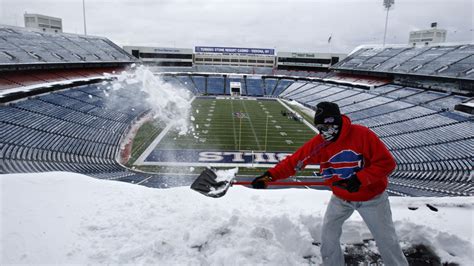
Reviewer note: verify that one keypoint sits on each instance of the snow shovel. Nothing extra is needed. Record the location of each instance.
(207, 184)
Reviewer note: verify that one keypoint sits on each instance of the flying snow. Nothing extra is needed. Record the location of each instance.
(170, 104)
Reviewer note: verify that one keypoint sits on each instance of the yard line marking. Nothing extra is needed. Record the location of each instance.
(251, 126)
(144, 180)
(233, 124)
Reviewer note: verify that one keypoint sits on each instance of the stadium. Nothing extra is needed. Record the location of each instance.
(421, 110)
(157, 117)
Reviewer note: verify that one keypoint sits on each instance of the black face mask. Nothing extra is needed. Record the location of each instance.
(328, 132)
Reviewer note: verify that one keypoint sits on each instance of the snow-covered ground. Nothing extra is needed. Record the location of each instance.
(65, 218)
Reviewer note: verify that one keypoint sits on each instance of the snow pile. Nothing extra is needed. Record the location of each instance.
(169, 103)
(58, 218)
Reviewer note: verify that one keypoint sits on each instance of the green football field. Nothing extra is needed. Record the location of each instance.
(250, 134)
(240, 125)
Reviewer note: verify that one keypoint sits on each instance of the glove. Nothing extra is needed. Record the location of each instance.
(351, 184)
(261, 181)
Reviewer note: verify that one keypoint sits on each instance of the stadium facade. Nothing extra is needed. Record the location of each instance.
(162, 56)
(234, 57)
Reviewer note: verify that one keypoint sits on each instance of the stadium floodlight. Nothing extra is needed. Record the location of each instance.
(387, 4)
(84, 15)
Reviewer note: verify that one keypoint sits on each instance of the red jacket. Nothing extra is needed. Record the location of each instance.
(357, 149)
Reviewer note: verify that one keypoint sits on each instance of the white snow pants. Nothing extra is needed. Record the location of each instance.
(378, 217)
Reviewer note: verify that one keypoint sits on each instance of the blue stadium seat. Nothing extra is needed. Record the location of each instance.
(188, 83)
(215, 85)
(27, 46)
(442, 61)
(200, 82)
(254, 86)
(281, 86)
(270, 84)
(292, 88)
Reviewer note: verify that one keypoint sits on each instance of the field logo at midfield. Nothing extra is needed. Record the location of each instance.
(240, 115)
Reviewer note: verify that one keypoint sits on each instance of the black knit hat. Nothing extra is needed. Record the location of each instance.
(327, 113)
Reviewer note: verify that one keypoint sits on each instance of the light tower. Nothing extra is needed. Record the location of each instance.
(84, 15)
(387, 4)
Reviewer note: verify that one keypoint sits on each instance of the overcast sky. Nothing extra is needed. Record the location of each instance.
(287, 25)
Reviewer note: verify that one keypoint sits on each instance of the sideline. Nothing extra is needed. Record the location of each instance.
(251, 126)
(304, 120)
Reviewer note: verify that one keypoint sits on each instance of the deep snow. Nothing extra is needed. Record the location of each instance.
(70, 218)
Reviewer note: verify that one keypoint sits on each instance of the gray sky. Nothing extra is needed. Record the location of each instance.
(287, 25)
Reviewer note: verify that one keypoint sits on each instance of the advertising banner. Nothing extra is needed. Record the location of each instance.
(234, 50)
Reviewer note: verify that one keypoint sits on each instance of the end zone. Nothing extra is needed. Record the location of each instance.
(216, 158)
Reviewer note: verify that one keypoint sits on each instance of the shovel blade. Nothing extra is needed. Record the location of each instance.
(207, 185)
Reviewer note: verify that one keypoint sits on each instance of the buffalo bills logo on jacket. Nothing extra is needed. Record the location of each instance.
(342, 164)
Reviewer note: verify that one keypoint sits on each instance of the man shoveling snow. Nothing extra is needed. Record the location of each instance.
(355, 164)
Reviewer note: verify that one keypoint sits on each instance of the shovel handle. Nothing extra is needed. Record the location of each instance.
(290, 183)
